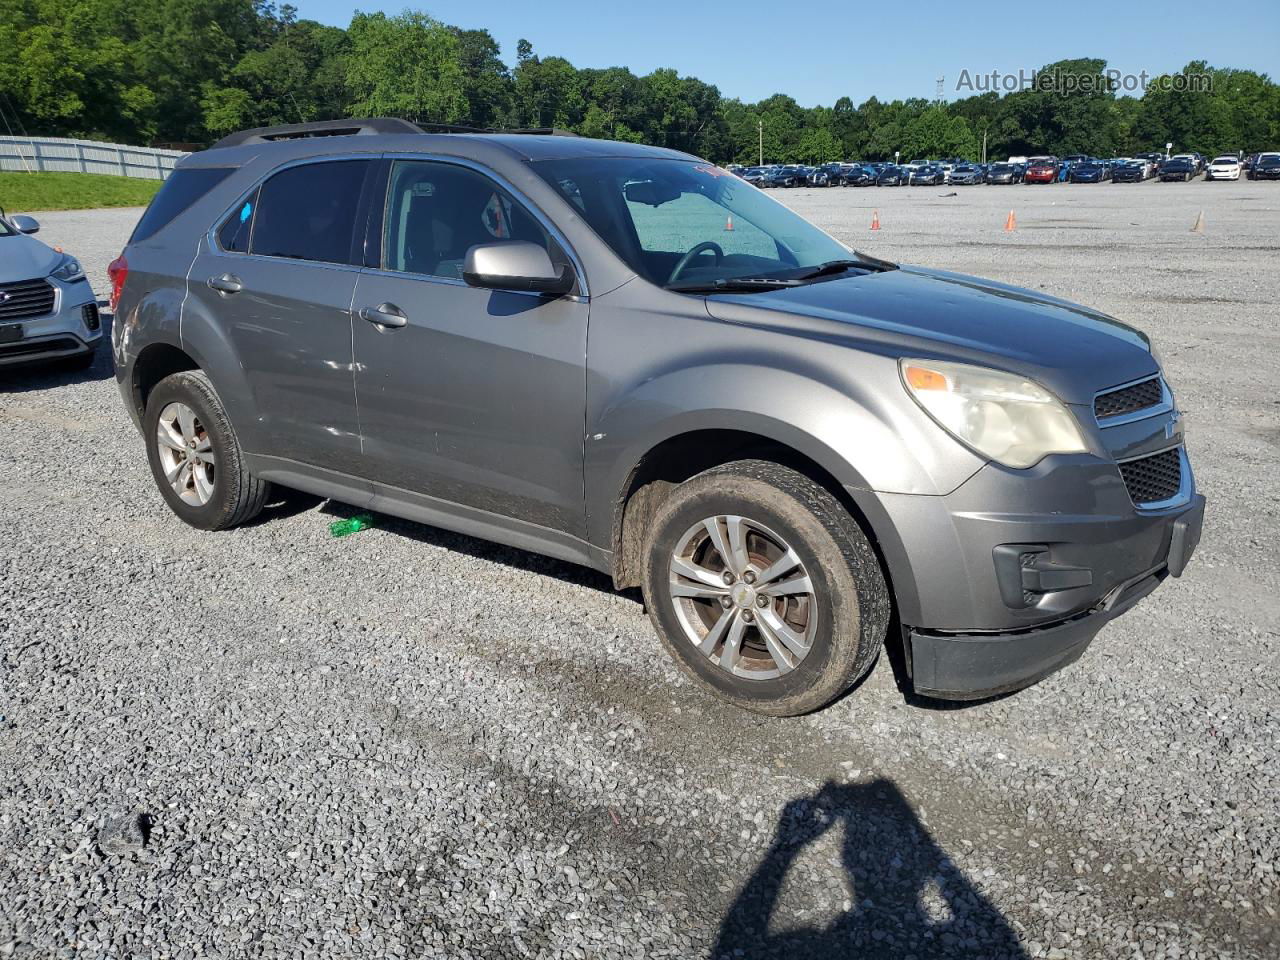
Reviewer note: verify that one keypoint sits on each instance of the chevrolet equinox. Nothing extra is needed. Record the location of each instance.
(626, 357)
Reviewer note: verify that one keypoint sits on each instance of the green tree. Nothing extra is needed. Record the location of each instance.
(405, 66)
(486, 79)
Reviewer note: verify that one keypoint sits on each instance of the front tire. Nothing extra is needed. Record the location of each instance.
(764, 589)
(195, 458)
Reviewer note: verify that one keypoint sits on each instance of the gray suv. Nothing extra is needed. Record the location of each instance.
(628, 358)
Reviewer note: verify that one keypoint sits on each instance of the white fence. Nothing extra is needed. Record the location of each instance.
(53, 155)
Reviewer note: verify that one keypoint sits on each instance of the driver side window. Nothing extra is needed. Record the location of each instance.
(436, 212)
(680, 224)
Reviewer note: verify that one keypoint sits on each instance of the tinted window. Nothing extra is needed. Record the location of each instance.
(182, 189)
(233, 235)
(436, 212)
(309, 212)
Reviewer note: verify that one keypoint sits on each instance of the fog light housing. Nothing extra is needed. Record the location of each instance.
(89, 313)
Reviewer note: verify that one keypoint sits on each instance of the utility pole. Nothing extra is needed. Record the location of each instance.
(984, 146)
(760, 125)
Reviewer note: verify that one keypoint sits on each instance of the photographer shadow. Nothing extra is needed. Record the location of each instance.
(906, 898)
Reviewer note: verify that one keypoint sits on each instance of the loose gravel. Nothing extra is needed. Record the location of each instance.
(407, 743)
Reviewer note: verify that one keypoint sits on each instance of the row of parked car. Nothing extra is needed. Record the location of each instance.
(1077, 168)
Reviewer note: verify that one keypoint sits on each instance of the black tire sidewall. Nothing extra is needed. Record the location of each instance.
(184, 388)
(838, 656)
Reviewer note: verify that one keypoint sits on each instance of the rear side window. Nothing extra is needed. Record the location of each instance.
(182, 189)
(309, 212)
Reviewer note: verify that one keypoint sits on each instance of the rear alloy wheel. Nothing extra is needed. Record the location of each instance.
(186, 454)
(764, 589)
(195, 457)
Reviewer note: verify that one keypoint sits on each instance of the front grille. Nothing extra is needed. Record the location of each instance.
(1154, 478)
(1129, 399)
(25, 300)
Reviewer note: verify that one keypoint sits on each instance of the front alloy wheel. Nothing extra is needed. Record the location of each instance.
(764, 588)
(743, 597)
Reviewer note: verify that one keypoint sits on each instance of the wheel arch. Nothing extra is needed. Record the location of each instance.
(155, 362)
(686, 453)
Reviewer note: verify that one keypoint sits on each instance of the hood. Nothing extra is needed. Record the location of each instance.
(25, 258)
(1072, 350)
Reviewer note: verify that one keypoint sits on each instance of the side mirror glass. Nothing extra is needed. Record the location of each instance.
(515, 265)
(26, 224)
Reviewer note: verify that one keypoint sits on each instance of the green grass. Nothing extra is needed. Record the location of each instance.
(33, 192)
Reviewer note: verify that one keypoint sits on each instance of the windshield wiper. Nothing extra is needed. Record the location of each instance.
(830, 267)
(735, 285)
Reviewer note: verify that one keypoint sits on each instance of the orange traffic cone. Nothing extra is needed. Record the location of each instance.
(1010, 223)
(875, 219)
(728, 224)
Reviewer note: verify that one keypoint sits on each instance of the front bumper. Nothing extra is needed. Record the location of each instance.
(976, 665)
(1010, 576)
(72, 329)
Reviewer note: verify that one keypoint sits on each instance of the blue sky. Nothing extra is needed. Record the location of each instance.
(751, 49)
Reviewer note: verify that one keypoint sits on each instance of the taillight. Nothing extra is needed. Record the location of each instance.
(118, 272)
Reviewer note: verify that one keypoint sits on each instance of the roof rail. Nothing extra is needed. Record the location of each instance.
(367, 126)
(320, 128)
(538, 131)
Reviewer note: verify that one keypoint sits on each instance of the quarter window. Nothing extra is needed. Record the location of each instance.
(233, 235)
(436, 212)
(309, 212)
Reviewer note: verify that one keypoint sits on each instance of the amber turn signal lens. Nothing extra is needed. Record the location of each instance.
(918, 378)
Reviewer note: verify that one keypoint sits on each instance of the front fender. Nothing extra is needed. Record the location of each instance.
(867, 438)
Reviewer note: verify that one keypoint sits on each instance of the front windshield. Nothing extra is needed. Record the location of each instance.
(682, 222)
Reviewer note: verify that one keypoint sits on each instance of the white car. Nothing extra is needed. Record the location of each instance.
(47, 308)
(1223, 168)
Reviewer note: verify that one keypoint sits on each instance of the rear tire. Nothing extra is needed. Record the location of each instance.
(808, 607)
(199, 466)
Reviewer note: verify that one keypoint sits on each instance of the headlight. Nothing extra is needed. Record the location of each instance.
(1004, 417)
(69, 269)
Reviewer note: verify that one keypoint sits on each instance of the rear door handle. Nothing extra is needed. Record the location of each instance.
(385, 315)
(226, 283)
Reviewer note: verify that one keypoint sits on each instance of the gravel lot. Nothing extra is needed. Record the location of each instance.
(406, 743)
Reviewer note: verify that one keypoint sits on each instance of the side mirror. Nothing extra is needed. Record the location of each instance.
(26, 224)
(515, 265)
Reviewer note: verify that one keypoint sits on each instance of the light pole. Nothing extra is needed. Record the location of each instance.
(760, 127)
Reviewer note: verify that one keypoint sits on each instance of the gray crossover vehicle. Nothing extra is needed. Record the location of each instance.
(47, 308)
(628, 358)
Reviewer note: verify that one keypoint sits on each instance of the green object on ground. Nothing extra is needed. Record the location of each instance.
(341, 528)
(36, 192)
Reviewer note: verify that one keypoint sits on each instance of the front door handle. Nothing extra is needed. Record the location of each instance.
(385, 315)
(227, 283)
